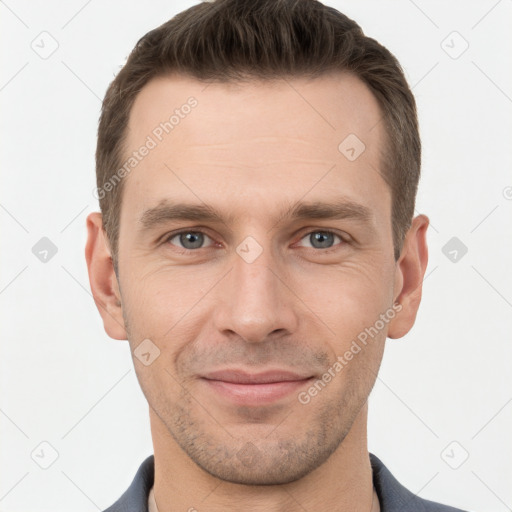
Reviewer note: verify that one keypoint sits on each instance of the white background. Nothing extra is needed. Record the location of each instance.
(65, 382)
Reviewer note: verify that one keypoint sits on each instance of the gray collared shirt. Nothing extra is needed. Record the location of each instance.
(393, 496)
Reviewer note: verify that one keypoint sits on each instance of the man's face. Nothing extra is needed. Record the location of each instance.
(257, 289)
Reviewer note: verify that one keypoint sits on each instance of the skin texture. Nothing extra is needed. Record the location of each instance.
(252, 151)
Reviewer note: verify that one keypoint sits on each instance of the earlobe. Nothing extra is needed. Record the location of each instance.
(102, 278)
(410, 271)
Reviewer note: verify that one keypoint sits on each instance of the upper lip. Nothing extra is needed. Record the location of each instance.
(243, 377)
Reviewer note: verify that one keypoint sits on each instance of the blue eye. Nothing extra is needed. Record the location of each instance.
(321, 239)
(189, 240)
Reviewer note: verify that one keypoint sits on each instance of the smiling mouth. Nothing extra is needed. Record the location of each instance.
(242, 388)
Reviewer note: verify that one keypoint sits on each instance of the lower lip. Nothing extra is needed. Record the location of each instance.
(255, 394)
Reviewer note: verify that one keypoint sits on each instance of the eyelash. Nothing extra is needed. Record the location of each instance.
(183, 250)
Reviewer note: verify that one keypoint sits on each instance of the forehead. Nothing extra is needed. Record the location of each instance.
(258, 141)
(329, 105)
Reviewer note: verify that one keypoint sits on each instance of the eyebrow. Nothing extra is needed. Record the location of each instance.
(338, 210)
(167, 211)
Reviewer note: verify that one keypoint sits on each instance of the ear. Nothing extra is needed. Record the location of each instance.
(410, 270)
(102, 278)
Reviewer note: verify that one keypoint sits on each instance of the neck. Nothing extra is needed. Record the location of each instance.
(342, 483)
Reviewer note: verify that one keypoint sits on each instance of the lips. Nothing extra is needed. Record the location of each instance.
(242, 377)
(254, 389)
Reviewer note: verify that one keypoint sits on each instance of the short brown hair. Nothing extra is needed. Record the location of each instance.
(230, 40)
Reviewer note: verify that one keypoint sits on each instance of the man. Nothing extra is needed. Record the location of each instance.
(257, 167)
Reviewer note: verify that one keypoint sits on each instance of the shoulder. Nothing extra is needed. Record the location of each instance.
(393, 496)
(135, 498)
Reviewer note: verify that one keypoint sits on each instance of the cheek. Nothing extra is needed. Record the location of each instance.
(349, 298)
(168, 308)
(158, 299)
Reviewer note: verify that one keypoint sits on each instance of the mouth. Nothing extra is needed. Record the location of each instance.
(242, 388)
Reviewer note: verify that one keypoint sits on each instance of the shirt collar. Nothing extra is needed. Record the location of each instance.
(393, 496)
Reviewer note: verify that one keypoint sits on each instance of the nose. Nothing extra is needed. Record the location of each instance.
(255, 301)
